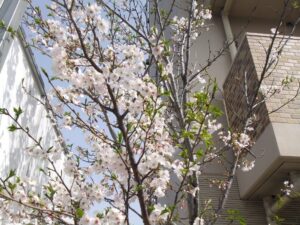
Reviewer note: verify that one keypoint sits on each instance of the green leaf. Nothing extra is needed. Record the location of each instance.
(166, 93)
(114, 177)
(207, 138)
(37, 21)
(138, 188)
(118, 150)
(11, 174)
(100, 215)
(120, 138)
(129, 127)
(37, 9)
(188, 134)
(160, 68)
(18, 180)
(215, 87)
(2, 111)
(42, 170)
(12, 186)
(278, 220)
(2, 24)
(199, 153)
(296, 4)
(79, 213)
(18, 111)
(51, 192)
(12, 128)
(67, 114)
(215, 111)
(11, 31)
(164, 211)
(202, 98)
(184, 171)
(184, 154)
(44, 71)
(235, 215)
(151, 209)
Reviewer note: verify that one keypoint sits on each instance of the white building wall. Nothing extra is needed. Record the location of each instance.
(17, 69)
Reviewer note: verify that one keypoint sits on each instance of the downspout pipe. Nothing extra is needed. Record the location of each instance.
(227, 28)
(268, 201)
(272, 208)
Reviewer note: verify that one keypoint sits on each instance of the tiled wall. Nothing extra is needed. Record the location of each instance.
(247, 70)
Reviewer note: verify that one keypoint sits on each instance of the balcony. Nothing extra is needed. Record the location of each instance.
(277, 130)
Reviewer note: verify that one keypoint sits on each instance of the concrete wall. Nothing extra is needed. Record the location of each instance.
(210, 42)
(207, 46)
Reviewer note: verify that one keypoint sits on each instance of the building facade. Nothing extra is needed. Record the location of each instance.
(247, 28)
(250, 26)
(18, 73)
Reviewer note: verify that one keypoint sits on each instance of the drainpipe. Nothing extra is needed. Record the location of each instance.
(227, 28)
(272, 208)
(268, 201)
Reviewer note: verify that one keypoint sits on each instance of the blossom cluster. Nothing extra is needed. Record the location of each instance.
(288, 188)
(199, 18)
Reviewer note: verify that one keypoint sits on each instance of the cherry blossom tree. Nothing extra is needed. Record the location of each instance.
(122, 75)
